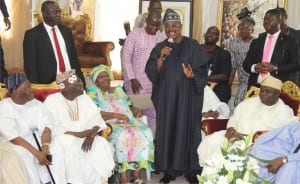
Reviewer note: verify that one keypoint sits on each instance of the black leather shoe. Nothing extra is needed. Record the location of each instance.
(156, 172)
(166, 179)
(192, 179)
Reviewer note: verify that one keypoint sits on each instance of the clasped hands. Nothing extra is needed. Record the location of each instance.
(211, 113)
(264, 67)
(88, 136)
(232, 135)
(89, 139)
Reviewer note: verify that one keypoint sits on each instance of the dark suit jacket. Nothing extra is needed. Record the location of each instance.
(293, 33)
(3, 8)
(285, 56)
(39, 58)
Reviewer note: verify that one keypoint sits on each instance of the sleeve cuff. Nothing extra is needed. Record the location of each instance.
(253, 68)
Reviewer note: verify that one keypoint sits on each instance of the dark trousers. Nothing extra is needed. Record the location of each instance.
(3, 72)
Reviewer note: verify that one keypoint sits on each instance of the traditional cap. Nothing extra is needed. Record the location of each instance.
(64, 76)
(13, 81)
(272, 82)
(98, 69)
(171, 15)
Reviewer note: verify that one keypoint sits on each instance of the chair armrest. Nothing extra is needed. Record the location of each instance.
(257, 134)
(99, 49)
(107, 131)
(210, 126)
(3, 91)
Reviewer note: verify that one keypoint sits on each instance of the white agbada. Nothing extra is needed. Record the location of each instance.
(212, 102)
(12, 167)
(90, 167)
(249, 116)
(20, 121)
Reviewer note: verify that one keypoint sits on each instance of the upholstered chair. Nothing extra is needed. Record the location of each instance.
(90, 54)
(290, 95)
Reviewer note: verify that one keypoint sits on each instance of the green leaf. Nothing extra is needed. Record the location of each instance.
(248, 139)
(226, 144)
(261, 160)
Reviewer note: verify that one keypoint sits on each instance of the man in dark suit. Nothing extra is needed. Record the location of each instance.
(3, 72)
(49, 48)
(293, 34)
(282, 57)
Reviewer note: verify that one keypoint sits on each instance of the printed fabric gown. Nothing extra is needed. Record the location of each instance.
(132, 141)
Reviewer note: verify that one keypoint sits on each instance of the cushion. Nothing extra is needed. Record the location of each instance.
(41, 94)
(294, 104)
(210, 126)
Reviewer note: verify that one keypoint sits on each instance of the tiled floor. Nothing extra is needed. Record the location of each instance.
(156, 177)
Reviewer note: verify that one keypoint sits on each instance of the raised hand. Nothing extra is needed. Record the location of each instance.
(187, 70)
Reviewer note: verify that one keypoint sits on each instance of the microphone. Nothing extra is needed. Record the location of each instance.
(169, 44)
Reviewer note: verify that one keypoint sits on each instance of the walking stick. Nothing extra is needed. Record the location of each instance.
(48, 168)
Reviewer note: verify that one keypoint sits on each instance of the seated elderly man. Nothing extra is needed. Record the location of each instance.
(264, 112)
(281, 147)
(20, 116)
(88, 157)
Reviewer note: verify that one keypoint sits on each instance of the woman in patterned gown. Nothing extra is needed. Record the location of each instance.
(131, 138)
(238, 49)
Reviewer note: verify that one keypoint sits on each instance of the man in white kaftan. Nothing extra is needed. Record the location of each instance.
(212, 104)
(251, 115)
(72, 117)
(19, 121)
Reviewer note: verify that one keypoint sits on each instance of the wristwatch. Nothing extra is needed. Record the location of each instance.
(284, 160)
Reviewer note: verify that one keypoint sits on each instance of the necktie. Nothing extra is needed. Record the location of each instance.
(267, 50)
(61, 63)
(266, 53)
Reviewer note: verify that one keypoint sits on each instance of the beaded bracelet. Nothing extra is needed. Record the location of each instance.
(46, 144)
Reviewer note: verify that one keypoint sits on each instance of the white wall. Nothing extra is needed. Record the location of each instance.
(109, 18)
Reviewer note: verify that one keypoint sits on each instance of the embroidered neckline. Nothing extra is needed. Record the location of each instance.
(73, 111)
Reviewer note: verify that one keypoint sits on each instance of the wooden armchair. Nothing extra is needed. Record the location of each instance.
(90, 54)
(290, 94)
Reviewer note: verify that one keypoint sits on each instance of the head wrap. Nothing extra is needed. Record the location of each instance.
(61, 77)
(98, 69)
(272, 82)
(171, 15)
(248, 20)
(13, 81)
